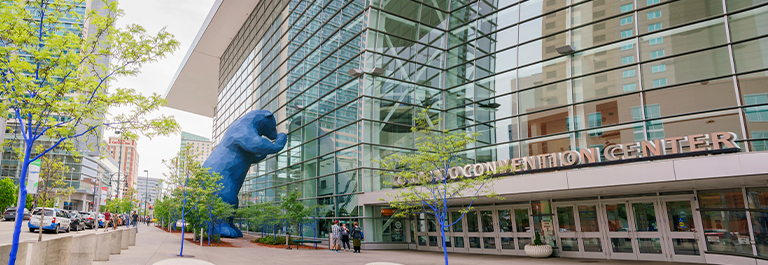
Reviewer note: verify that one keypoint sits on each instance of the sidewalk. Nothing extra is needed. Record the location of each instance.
(154, 245)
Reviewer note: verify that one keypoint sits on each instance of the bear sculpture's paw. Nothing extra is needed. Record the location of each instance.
(228, 231)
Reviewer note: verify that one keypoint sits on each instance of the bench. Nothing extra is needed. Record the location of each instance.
(306, 241)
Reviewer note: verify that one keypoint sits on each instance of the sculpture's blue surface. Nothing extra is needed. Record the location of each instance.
(241, 146)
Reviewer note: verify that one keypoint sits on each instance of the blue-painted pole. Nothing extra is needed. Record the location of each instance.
(183, 206)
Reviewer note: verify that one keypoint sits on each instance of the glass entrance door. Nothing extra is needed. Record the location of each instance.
(578, 226)
(682, 230)
(514, 229)
(473, 235)
(489, 233)
(456, 238)
(427, 237)
(633, 230)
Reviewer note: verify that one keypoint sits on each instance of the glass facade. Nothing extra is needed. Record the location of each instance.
(641, 70)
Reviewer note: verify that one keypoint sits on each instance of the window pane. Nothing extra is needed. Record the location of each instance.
(731, 198)
(680, 12)
(748, 24)
(751, 55)
(712, 94)
(570, 244)
(472, 225)
(602, 58)
(606, 112)
(592, 245)
(457, 227)
(686, 68)
(474, 242)
(487, 219)
(522, 220)
(601, 32)
(458, 241)
(507, 243)
(604, 84)
(544, 123)
(726, 231)
(588, 218)
(565, 221)
(617, 220)
(719, 121)
(535, 8)
(688, 38)
(621, 245)
(645, 217)
(541, 73)
(760, 228)
(680, 216)
(522, 241)
(649, 245)
(752, 88)
(539, 50)
(594, 10)
(686, 246)
(505, 221)
(489, 242)
(544, 97)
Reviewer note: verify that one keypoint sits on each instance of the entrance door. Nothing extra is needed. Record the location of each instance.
(456, 239)
(489, 231)
(474, 237)
(579, 230)
(427, 237)
(634, 231)
(680, 225)
(514, 229)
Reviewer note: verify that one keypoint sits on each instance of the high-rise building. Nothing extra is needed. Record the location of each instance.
(85, 172)
(124, 151)
(201, 146)
(640, 127)
(148, 191)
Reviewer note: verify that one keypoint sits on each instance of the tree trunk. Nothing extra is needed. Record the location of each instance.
(445, 251)
(22, 204)
(42, 217)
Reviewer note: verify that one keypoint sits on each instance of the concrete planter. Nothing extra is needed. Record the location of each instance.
(115, 238)
(538, 251)
(124, 239)
(83, 249)
(51, 252)
(132, 238)
(103, 247)
(21, 253)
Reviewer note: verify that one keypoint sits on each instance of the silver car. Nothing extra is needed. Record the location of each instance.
(10, 214)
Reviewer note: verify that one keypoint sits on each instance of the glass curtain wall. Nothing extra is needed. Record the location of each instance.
(641, 71)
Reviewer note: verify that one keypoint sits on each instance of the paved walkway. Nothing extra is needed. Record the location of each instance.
(155, 245)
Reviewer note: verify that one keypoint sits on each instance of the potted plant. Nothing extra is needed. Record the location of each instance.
(538, 249)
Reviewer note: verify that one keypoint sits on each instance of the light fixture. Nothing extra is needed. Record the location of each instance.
(355, 72)
(377, 71)
(567, 49)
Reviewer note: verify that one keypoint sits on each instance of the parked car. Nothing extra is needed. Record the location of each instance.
(55, 220)
(89, 219)
(10, 214)
(101, 220)
(77, 222)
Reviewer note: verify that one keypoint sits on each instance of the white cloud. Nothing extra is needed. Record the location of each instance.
(182, 18)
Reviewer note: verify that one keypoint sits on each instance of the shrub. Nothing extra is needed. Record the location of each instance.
(270, 240)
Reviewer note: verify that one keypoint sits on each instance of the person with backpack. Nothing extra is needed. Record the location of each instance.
(345, 237)
(357, 235)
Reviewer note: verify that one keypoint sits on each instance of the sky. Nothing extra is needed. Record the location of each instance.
(183, 19)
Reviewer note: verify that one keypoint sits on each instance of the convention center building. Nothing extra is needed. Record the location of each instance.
(639, 127)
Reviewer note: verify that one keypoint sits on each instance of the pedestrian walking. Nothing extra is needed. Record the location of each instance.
(357, 235)
(335, 236)
(345, 238)
(135, 220)
(107, 220)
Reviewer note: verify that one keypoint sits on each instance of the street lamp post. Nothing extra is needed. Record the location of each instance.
(146, 191)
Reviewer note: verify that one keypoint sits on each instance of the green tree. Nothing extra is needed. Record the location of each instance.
(51, 186)
(8, 191)
(430, 179)
(55, 79)
(294, 211)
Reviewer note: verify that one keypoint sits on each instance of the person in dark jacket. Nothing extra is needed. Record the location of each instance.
(357, 235)
(345, 237)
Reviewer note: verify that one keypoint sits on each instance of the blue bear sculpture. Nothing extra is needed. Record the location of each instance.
(241, 146)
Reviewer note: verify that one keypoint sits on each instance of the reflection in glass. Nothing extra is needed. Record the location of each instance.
(432, 241)
(621, 245)
(747, 24)
(505, 221)
(617, 217)
(422, 241)
(489, 242)
(522, 220)
(729, 198)
(588, 218)
(457, 227)
(459, 240)
(726, 231)
(471, 217)
(645, 217)
(474, 242)
(688, 38)
(522, 241)
(565, 219)
(685, 246)
(487, 219)
(649, 245)
(569, 244)
(592, 245)
(507, 243)
(680, 216)
(751, 55)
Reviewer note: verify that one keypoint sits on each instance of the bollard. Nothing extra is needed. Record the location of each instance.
(125, 237)
(201, 236)
(21, 253)
(83, 249)
(115, 238)
(103, 247)
(132, 237)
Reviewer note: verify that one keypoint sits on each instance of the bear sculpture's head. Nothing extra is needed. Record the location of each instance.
(262, 122)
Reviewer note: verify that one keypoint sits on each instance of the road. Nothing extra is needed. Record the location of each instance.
(6, 232)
